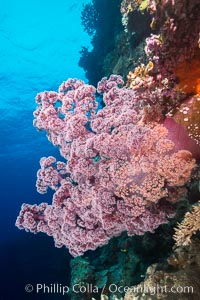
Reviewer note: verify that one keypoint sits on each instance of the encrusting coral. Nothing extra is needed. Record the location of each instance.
(176, 278)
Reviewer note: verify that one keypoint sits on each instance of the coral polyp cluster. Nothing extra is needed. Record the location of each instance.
(188, 115)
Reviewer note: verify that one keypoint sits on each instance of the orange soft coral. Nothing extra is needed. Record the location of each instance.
(188, 74)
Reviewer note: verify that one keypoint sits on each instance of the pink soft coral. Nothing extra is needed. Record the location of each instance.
(118, 176)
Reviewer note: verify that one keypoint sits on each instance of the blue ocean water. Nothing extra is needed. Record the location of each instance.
(40, 42)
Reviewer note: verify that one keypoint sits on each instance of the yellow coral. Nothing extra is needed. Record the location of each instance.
(140, 75)
(134, 4)
(143, 6)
